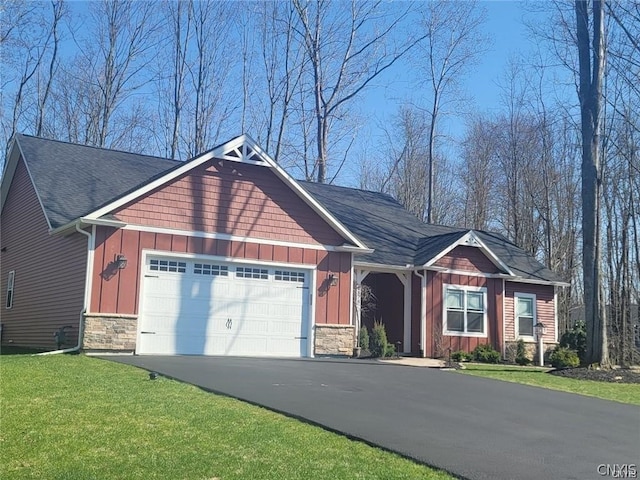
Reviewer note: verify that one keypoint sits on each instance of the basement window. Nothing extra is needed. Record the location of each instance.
(10, 283)
(465, 311)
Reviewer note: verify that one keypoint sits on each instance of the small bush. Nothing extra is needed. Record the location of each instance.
(378, 341)
(363, 338)
(521, 354)
(485, 353)
(461, 356)
(390, 351)
(576, 339)
(563, 357)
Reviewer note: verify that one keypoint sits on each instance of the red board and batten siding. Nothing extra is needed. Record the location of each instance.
(545, 308)
(231, 198)
(437, 343)
(117, 292)
(470, 259)
(50, 271)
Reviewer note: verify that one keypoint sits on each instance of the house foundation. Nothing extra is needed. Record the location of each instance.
(334, 339)
(110, 332)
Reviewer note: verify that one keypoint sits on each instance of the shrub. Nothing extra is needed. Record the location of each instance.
(363, 338)
(485, 353)
(461, 356)
(576, 339)
(563, 357)
(378, 341)
(390, 351)
(521, 354)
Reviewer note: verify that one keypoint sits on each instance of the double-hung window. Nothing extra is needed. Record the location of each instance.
(10, 282)
(525, 309)
(465, 311)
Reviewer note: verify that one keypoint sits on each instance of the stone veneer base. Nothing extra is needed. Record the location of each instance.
(110, 332)
(334, 339)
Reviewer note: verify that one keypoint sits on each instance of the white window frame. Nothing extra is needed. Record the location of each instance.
(11, 280)
(516, 318)
(465, 289)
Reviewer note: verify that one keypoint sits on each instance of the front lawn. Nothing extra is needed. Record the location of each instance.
(619, 392)
(76, 417)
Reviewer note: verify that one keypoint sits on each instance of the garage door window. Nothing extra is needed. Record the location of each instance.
(167, 266)
(286, 276)
(209, 269)
(258, 273)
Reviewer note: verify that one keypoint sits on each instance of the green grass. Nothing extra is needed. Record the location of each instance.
(619, 392)
(76, 417)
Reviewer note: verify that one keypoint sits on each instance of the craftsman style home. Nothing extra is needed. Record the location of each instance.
(227, 254)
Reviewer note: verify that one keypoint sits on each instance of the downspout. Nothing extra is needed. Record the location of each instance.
(423, 311)
(87, 292)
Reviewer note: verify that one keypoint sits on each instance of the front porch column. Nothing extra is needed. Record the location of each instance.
(405, 278)
(360, 275)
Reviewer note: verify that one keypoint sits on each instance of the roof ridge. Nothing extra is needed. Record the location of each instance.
(104, 149)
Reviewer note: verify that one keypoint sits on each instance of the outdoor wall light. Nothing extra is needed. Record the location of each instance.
(121, 261)
(333, 279)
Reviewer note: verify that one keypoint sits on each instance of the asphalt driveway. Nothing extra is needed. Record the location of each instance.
(472, 427)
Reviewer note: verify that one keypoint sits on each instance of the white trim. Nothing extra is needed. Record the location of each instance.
(382, 268)
(11, 166)
(504, 322)
(422, 347)
(310, 269)
(465, 289)
(516, 323)
(509, 278)
(90, 260)
(11, 286)
(228, 237)
(555, 313)
(104, 222)
(352, 249)
(219, 258)
(471, 239)
(220, 152)
(351, 300)
(405, 279)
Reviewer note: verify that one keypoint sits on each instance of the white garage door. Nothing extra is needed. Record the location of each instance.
(202, 307)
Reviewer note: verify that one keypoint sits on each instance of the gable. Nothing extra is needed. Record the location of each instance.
(232, 198)
(470, 259)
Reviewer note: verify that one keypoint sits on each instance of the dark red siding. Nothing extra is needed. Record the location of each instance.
(438, 344)
(470, 259)
(117, 291)
(50, 271)
(231, 198)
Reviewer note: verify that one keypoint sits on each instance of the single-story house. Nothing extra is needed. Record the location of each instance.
(227, 254)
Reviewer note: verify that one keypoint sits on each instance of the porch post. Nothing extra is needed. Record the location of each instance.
(360, 275)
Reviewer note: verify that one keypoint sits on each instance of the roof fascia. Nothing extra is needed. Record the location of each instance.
(84, 221)
(221, 152)
(9, 171)
(380, 267)
(466, 240)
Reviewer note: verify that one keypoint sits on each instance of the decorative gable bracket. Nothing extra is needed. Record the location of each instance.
(245, 151)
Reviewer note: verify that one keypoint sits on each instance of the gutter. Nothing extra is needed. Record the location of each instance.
(87, 292)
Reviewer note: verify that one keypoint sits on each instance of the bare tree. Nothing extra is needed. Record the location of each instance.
(452, 44)
(591, 57)
(347, 49)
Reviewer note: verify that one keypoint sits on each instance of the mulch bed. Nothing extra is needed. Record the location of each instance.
(614, 375)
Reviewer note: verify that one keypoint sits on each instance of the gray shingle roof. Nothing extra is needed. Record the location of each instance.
(83, 178)
(75, 180)
(399, 238)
